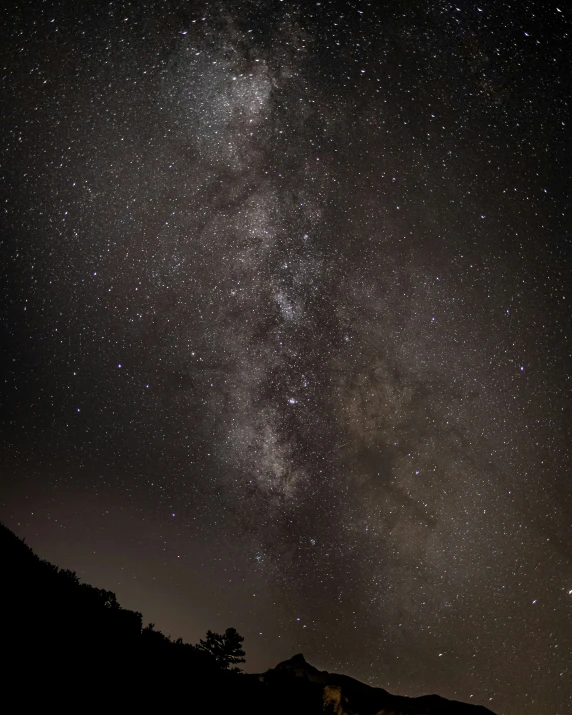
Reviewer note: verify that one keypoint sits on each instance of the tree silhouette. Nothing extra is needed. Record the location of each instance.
(225, 649)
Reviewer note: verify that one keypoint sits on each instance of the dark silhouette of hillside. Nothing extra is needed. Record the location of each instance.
(74, 644)
(70, 645)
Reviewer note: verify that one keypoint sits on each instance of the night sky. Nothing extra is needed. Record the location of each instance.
(285, 328)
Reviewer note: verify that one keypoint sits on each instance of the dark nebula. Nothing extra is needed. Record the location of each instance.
(286, 328)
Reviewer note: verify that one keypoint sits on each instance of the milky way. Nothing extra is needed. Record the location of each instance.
(286, 293)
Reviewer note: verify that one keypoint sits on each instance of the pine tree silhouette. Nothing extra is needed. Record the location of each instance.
(226, 649)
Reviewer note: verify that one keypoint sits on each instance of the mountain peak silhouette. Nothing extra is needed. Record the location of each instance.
(342, 694)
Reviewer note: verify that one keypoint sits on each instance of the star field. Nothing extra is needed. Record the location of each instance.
(286, 328)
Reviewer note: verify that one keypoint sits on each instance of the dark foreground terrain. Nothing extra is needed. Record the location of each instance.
(70, 646)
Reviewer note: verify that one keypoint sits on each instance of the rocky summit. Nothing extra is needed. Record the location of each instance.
(343, 695)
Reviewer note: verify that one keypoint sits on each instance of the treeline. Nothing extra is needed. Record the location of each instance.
(66, 642)
(53, 608)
